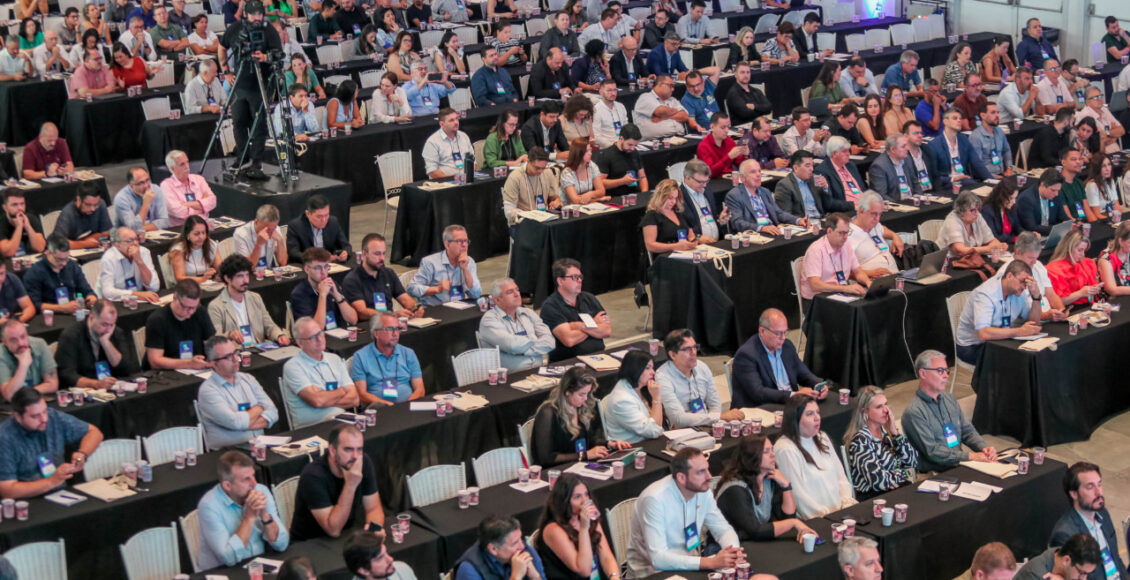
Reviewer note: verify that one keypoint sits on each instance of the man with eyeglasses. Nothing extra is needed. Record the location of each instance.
(767, 368)
(233, 406)
(386, 371)
(85, 220)
(239, 313)
(576, 318)
(753, 207)
(529, 188)
(175, 334)
(922, 157)
(448, 275)
(700, 209)
(609, 116)
(48, 155)
(92, 78)
(140, 205)
(319, 297)
(261, 240)
(999, 309)
(955, 153)
(1053, 92)
(659, 114)
(521, 337)
(56, 282)
(686, 385)
(971, 102)
(1040, 207)
(367, 558)
(934, 423)
(627, 65)
(1076, 559)
(316, 383)
(990, 143)
(318, 229)
(830, 265)
(699, 99)
(127, 269)
(1110, 130)
(372, 287)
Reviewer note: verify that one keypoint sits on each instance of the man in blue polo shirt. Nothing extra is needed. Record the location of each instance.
(385, 371)
(904, 73)
(448, 275)
(33, 440)
(490, 84)
(699, 99)
(1034, 49)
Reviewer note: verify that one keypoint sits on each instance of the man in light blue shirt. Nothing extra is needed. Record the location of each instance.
(424, 96)
(994, 309)
(140, 205)
(1017, 99)
(990, 143)
(301, 111)
(519, 333)
(904, 73)
(238, 516)
(694, 26)
(448, 275)
(316, 383)
(233, 407)
(386, 371)
(686, 385)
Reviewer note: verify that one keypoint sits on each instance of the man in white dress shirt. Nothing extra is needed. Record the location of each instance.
(138, 41)
(204, 93)
(127, 268)
(801, 136)
(50, 56)
(445, 152)
(609, 115)
(659, 114)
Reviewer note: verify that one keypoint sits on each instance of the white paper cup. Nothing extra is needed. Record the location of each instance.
(888, 516)
(809, 543)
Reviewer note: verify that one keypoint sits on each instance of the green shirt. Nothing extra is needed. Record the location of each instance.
(1074, 197)
(496, 154)
(171, 32)
(42, 363)
(835, 94)
(1110, 41)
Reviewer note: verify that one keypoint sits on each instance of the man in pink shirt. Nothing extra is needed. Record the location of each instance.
(185, 193)
(830, 264)
(93, 77)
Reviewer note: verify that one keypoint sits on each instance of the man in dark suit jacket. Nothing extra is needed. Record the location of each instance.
(789, 195)
(971, 165)
(316, 227)
(806, 31)
(1083, 483)
(78, 366)
(747, 214)
(1049, 140)
(839, 157)
(546, 123)
(550, 78)
(618, 68)
(759, 379)
(885, 179)
(696, 175)
(1039, 200)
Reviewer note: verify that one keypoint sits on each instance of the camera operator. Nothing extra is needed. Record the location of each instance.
(253, 35)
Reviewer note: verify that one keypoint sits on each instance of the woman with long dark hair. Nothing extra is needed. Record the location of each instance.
(343, 109)
(827, 84)
(131, 71)
(1114, 262)
(503, 145)
(996, 65)
(194, 254)
(566, 426)
(870, 124)
(1000, 210)
(591, 68)
(449, 54)
(1103, 196)
(806, 456)
(633, 410)
(571, 541)
(756, 498)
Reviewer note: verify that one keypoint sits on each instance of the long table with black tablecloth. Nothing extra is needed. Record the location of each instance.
(938, 539)
(782, 557)
(1050, 397)
(189, 133)
(108, 129)
(26, 105)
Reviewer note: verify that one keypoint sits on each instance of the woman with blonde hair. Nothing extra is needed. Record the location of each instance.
(664, 227)
(743, 49)
(566, 426)
(879, 455)
(1072, 273)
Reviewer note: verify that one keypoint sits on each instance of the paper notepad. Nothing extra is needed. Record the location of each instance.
(600, 362)
(588, 320)
(422, 322)
(422, 406)
(104, 490)
(203, 374)
(529, 486)
(537, 216)
(844, 297)
(281, 353)
(65, 498)
(766, 417)
(534, 383)
(458, 305)
(974, 491)
(309, 445)
(1000, 470)
(341, 333)
(160, 235)
(581, 470)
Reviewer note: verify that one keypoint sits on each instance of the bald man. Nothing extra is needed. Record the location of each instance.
(767, 368)
(47, 155)
(50, 57)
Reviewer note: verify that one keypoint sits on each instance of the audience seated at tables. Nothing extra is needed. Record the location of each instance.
(1076, 559)
(664, 225)
(857, 81)
(316, 383)
(35, 435)
(1113, 263)
(238, 516)
(992, 561)
(339, 490)
(699, 100)
(1017, 99)
(85, 221)
(827, 84)
(186, 194)
(743, 49)
(990, 144)
(448, 275)
(385, 371)
(175, 334)
(239, 313)
(51, 57)
(686, 385)
(659, 114)
(999, 309)
(303, 117)
(576, 117)
(14, 301)
(446, 150)
(661, 537)
(999, 210)
(700, 208)
(996, 65)
(1040, 206)
(55, 282)
(972, 102)
(587, 71)
(1072, 273)
(844, 124)
(959, 65)
(500, 551)
(896, 113)
(367, 557)
(544, 130)
(260, 240)
(16, 65)
(424, 95)
(521, 337)
(807, 457)
(656, 30)
(745, 102)
(567, 425)
(319, 297)
(904, 74)
(204, 41)
(752, 207)
(204, 93)
(1111, 129)
(569, 537)
(194, 255)
(137, 42)
(342, 109)
(389, 103)
(569, 311)
(169, 38)
(47, 155)
(633, 410)
(892, 174)
(233, 406)
(694, 26)
(1050, 140)
(830, 265)
(965, 231)
(503, 145)
(875, 245)
(491, 84)
(923, 157)
(126, 269)
(323, 25)
(1083, 484)
(317, 228)
(768, 369)
(880, 457)
(801, 136)
(666, 59)
(550, 78)
(620, 164)
(301, 73)
(1104, 195)
(859, 558)
(844, 183)
(805, 40)
(25, 362)
(780, 49)
(1027, 249)
(1052, 91)
(369, 289)
(803, 192)
(755, 497)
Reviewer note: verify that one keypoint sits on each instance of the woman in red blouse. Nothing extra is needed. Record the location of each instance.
(1074, 276)
(131, 71)
(718, 150)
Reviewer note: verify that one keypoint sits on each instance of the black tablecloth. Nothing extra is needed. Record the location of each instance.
(424, 213)
(26, 105)
(107, 130)
(874, 341)
(190, 133)
(939, 539)
(50, 197)
(783, 557)
(1052, 397)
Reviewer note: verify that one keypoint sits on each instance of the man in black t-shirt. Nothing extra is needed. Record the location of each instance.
(373, 288)
(620, 164)
(175, 334)
(20, 232)
(576, 318)
(334, 490)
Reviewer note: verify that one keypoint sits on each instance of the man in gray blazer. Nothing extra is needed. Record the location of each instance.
(803, 193)
(1083, 484)
(892, 175)
(752, 207)
(239, 313)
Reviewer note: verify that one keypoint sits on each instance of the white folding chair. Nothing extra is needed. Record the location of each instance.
(328, 53)
(406, 278)
(336, 79)
(855, 42)
(468, 35)
(284, 499)
(1021, 156)
(48, 221)
(766, 23)
(91, 270)
(804, 95)
(474, 62)
(216, 23)
(139, 346)
(721, 56)
(728, 370)
(460, 100)
(730, 6)
(954, 305)
(161, 446)
(396, 170)
(436, 483)
(166, 77)
(166, 266)
(226, 247)
(847, 466)
(431, 38)
(796, 17)
(155, 108)
(873, 37)
(526, 435)
(498, 466)
(40, 560)
(474, 365)
(902, 34)
(675, 171)
(921, 29)
(190, 531)
(152, 554)
(826, 40)
(478, 146)
(937, 25)
(718, 28)
(109, 456)
(928, 230)
(536, 26)
(909, 238)
(796, 268)
(620, 527)
(371, 78)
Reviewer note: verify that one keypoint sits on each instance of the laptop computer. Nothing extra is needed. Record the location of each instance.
(819, 107)
(929, 271)
(881, 286)
(1058, 231)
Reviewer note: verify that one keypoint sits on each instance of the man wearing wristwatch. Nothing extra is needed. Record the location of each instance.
(238, 516)
(997, 310)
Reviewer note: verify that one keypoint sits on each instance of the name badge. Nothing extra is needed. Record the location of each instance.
(262, 263)
(1044, 54)
(458, 159)
(706, 214)
(101, 369)
(957, 166)
(1109, 568)
(539, 202)
(853, 187)
(356, 29)
(22, 251)
(924, 179)
(682, 235)
(557, 86)
(1006, 322)
(331, 321)
(190, 196)
(995, 156)
(131, 283)
(427, 101)
(904, 189)
(211, 100)
(459, 4)
(242, 407)
(380, 304)
(616, 125)
(331, 385)
(62, 296)
(581, 445)
(4, 312)
(248, 338)
(690, 536)
(951, 435)
(456, 292)
(759, 211)
(46, 465)
(1079, 210)
(696, 405)
(1059, 99)
(499, 88)
(879, 241)
(185, 350)
(389, 389)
